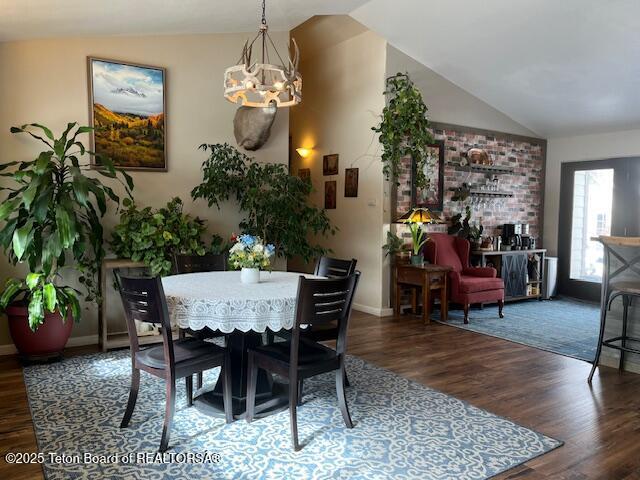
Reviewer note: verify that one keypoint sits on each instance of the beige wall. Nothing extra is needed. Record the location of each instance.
(343, 85)
(46, 81)
(449, 103)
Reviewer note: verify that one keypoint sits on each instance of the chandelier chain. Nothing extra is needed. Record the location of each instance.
(264, 12)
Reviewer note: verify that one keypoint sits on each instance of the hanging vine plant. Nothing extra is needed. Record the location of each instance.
(404, 129)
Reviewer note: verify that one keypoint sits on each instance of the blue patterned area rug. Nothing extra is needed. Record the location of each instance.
(564, 326)
(403, 430)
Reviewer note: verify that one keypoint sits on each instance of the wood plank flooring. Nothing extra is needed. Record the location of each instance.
(537, 389)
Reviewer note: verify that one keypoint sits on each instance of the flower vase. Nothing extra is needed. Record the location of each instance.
(250, 275)
(417, 259)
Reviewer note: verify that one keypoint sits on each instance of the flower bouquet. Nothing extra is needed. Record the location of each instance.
(250, 254)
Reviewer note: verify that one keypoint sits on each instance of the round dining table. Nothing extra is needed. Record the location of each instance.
(220, 301)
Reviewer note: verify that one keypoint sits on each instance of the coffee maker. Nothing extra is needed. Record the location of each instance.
(515, 236)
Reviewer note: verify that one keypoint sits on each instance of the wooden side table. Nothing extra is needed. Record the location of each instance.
(429, 278)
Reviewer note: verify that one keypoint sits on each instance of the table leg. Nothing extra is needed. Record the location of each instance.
(270, 395)
(444, 301)
(414, 300)
(426, 300)
(396, 306)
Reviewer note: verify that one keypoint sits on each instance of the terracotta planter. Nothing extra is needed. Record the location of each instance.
(46, 342)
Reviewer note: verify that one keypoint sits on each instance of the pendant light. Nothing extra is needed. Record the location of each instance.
(263, 83)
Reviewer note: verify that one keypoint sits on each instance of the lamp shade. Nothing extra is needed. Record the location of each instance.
(304, 152)
(420, 215)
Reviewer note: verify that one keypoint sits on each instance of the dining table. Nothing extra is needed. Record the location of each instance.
(220, 301)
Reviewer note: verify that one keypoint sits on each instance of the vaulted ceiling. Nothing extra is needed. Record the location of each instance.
(557, 67)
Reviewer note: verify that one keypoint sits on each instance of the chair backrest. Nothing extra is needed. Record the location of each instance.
(448, 250)
(144, 301)
(199, 263)
(322, 301)
(334, 267)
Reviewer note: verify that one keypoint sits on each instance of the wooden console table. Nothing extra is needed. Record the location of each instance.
(429, 278)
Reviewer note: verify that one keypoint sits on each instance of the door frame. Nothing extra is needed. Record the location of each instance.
(623, 194)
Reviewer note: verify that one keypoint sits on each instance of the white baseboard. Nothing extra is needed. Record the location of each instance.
(10, 348)
(378, 312)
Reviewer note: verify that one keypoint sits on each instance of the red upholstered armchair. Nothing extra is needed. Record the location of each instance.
(467, 284)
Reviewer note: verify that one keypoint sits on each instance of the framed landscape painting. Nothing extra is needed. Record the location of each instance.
(127, 111)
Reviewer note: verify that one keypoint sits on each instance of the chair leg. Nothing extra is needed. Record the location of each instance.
(342, 399)
(603, 320)
(200, 375)
(270, 337)
(300, 388)
(251, 388)
(226, 388)
(293, 415)
(189, 383)
(347, 383)
(133, 396)
(625, 315)
(466, 313)
(168, 414)
(500, 307)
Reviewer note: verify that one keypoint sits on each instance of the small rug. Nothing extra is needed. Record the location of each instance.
(403, 430)
(564, 326)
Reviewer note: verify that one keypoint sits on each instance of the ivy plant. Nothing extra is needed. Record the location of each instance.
(155, 236)
(404, 129)
(51, 219)
(276, 204)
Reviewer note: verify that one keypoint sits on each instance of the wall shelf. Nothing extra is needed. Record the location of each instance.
(485, 193)
(474, 168)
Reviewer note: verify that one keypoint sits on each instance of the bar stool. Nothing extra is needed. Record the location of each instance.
(612, 289)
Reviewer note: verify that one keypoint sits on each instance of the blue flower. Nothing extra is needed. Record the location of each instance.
(269, 249)
(248, 240)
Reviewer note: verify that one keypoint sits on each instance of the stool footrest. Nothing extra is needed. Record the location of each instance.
(609, 343)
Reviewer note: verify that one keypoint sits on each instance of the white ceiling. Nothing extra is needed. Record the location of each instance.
(23, 19)
(558, 67)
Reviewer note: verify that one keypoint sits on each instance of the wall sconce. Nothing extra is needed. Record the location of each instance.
(304, 152)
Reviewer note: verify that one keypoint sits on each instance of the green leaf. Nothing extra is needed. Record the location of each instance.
(72, 298)
(20, 239)
(50, 297)
(36, 310)
(11, 289)
(32, 280)
(80, 186)
(30, 193)
(46, 131)
(7, 208)
(66, 226)
(7, 165)
(43, 161)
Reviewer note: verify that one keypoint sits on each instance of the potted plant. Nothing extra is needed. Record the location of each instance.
(51, 222)
(395, 247)
(250, 254)
(404, 130)
(463, 228)
(155, 236)
(276, 204)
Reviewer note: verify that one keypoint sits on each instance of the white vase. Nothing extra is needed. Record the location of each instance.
(250, 275)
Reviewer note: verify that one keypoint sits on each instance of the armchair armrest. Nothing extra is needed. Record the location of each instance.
(488, 272)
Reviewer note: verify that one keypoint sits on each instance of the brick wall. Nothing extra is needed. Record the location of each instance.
(526, 182)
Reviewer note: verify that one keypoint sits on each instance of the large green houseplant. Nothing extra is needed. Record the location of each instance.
(275, 203)
(154, 236)
(51, 219)
(404, 130)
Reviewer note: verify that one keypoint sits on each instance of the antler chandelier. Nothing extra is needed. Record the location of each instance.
(261, 83)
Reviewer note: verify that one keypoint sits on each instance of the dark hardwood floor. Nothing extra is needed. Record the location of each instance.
(537, 389)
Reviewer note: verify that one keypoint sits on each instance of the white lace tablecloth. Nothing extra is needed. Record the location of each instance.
(219, 300)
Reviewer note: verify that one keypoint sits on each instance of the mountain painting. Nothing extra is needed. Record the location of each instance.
(128, 114)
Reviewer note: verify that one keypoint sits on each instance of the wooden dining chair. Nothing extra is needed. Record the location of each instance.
(144, 301)
(319, 301)
(196, 264)
(334, 267)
